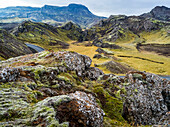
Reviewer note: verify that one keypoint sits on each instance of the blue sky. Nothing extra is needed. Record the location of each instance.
(98, 7)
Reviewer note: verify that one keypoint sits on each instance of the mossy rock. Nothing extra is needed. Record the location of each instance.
(112, 106)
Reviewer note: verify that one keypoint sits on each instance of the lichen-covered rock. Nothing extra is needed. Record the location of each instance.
(44, 113)
(62, 62)
(145, 101)
(74, 61)
(93, 73)
(82, 110)
(8, 75)
(76, 109)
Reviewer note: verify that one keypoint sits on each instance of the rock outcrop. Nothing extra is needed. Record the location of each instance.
(161, 49)
(61, 89)
(147, 99)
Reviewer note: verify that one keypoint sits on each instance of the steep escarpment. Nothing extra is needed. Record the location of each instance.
(61, 89)
(10, 46)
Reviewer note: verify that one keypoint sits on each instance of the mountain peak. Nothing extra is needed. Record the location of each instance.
(159, 13)
(72, 5)
(161, 7)
(76, 13)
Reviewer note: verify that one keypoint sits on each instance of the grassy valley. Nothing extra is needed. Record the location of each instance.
(121, 40)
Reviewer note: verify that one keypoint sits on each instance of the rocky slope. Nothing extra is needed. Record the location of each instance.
(159, 13)
(73, 12)
(61, 89)
(47, 35)
(10, 46)
(121, 26)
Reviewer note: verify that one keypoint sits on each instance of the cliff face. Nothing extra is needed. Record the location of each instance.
(61, 89)
(10, 46)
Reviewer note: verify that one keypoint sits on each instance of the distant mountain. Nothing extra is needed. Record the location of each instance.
(74, 12)
(159, 13)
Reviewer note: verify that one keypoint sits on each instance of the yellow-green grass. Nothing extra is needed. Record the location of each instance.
(129, 49)
(89, 51)
(157, 36)
(144, 65)
(1, 58)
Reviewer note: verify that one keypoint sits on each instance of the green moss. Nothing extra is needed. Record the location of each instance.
(64, 78)
(43, 54)
(114, 123)
(112, 106)
(136, 90)
(139, 76)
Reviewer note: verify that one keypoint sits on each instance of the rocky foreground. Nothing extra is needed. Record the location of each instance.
(61, 89)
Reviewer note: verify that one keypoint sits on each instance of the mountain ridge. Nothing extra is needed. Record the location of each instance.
(77, 13)
(159, 13)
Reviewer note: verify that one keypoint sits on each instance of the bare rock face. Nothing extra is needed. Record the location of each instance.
(147, 98)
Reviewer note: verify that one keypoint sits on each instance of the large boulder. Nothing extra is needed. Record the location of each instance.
(81, 111)
(147, 99)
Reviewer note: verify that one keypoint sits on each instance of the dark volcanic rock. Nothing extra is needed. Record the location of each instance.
(93, 73)
(100, 50)
(145, 103)
(98, 56)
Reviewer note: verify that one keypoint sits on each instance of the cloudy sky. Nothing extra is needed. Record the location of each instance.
(98, 7)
